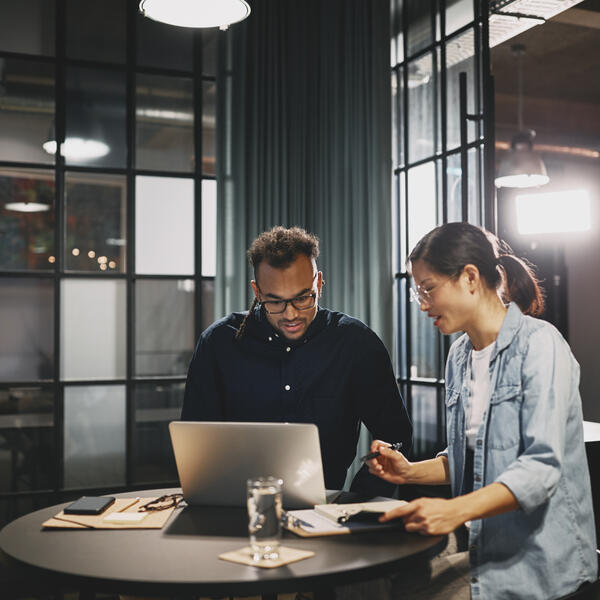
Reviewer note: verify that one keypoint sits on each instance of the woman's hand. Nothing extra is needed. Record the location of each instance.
(390, 465)
(427, 516)
(438, 516)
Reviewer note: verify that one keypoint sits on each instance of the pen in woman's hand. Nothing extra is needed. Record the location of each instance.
(366, 457)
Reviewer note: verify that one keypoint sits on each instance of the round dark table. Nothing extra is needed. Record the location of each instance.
(182, 558)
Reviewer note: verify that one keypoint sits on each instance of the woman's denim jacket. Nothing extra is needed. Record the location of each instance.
(531, 440)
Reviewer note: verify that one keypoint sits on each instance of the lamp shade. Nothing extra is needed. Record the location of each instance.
(27, 206)
(522, 167)
(196, 13)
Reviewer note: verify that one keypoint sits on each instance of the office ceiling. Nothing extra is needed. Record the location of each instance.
(561, 80)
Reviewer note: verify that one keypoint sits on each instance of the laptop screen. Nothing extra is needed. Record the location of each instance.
(214, 460)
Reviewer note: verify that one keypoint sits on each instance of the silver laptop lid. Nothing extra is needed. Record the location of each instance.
(214, 460)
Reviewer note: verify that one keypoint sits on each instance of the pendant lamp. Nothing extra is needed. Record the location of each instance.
(521, 167)
(196, 13)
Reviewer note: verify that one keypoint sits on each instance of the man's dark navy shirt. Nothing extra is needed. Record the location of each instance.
(337, 376)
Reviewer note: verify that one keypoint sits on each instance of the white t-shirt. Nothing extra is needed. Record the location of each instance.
(480, 391)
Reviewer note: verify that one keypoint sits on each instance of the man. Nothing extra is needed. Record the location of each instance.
(289, 360)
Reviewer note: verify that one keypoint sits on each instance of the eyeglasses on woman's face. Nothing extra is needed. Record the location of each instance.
(423, 294)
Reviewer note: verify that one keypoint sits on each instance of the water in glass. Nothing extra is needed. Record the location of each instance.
(264, 517)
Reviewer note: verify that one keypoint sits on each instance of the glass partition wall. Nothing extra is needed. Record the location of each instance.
(107, 247)
(442, 136)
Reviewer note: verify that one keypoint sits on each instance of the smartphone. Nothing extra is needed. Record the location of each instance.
(89, 505)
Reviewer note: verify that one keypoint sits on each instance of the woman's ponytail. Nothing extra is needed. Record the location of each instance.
(521, 285)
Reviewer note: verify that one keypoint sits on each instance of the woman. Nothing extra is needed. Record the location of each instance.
(515, 458)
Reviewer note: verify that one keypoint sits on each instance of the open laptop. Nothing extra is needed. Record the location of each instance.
(214, 460)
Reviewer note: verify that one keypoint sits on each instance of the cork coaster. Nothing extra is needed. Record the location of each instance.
(286, 555)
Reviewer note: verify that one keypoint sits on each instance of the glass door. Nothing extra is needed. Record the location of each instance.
(443, 167)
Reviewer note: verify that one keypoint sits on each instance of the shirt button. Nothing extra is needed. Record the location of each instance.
(473, 579)
(287, 388)
(477, 477)
(288, 349)
(473, 547)
(479, 442)
(270, 339)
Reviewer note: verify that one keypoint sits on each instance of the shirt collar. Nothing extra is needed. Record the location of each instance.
(259, 327)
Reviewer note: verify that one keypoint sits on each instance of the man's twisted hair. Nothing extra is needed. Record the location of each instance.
(279, 248)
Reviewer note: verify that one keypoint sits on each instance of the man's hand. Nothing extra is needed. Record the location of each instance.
(390, 465)
(427, 516)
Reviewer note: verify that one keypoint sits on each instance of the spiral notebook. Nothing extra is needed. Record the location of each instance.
(341, 519)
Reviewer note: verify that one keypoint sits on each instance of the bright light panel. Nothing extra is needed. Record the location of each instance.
(555, 212)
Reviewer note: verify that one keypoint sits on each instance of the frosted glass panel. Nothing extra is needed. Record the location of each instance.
(97, 30)
(425, 360)
(26, 110)
(397, 41)
(164, 326)
(425, 420)
(420, 34)
(164, 228)
(454, 175)
(26, 329)
(26, 439)
(27, 26)
(95, 224)
(421, 202)
(209, 127)
(94, 443)
(458, 14)
(26, 238)
(209, 228)
(208, 302)
(96, 113)
(93, 329)
(210, 41)
(422, 131)
(460, 57)
(164, 46)
(155, 406)
(164, 123)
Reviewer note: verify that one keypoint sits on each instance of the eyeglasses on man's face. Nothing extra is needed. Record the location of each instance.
(304, 302)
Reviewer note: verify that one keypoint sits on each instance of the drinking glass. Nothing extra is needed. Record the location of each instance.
(264, 517)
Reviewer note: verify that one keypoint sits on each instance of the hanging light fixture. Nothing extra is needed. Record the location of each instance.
(84, 140)
(76, 148)
(27, 206)
(25, 198)
(521, 167)
(196, 13)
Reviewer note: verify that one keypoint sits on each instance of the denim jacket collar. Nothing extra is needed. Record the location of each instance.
(510, 326)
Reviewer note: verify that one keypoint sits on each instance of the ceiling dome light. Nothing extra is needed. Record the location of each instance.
(196, 13)
(75, 148)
